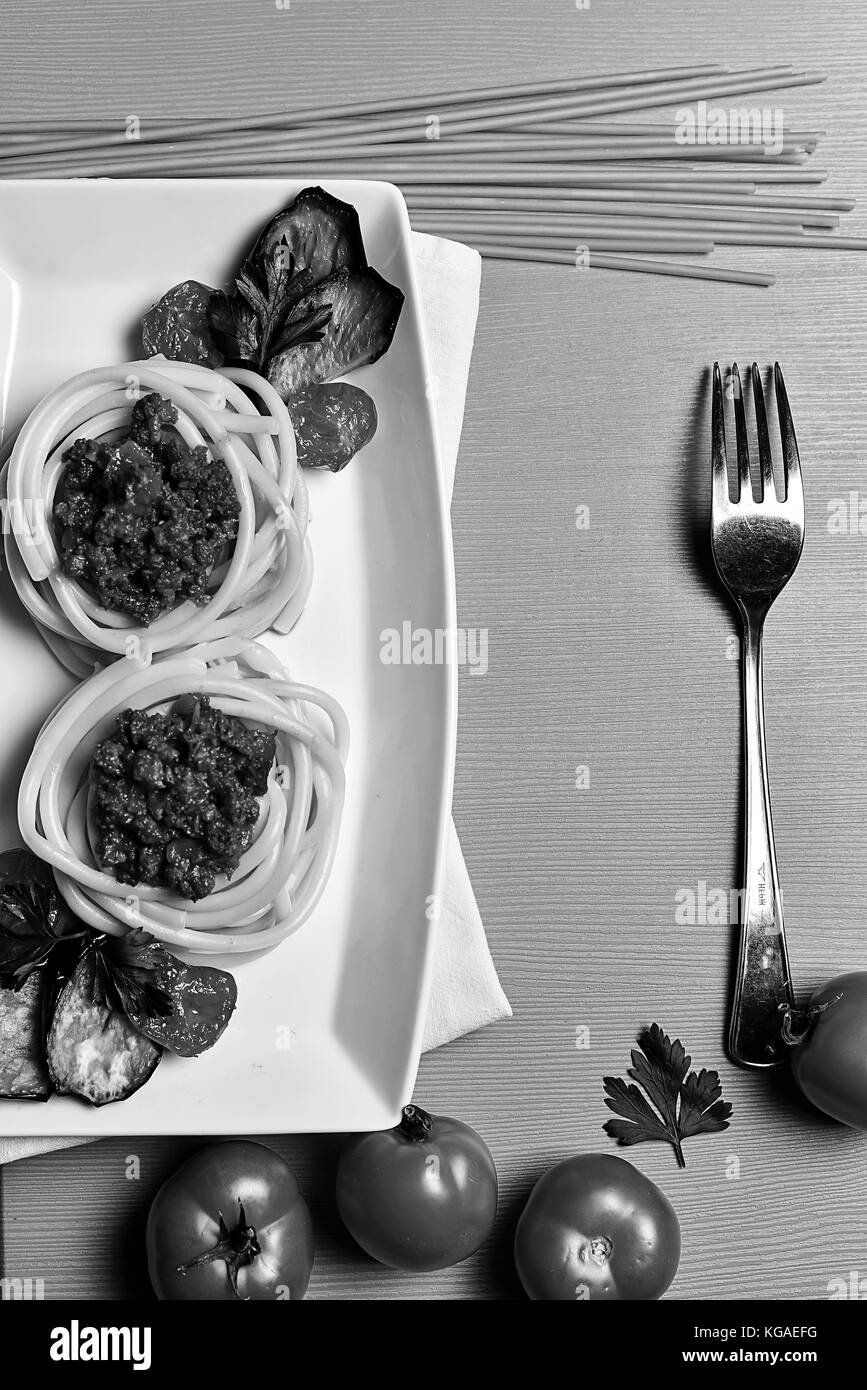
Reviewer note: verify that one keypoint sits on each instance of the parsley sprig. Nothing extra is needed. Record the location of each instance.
(266, 315)
(35, 923)
(687, 1102)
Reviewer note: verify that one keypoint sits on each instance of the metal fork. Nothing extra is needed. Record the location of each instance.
(757, 540)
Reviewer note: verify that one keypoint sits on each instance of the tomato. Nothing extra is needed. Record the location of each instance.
(421, 1196)
(230, 1223)
(595, 1228)
(829, 1057)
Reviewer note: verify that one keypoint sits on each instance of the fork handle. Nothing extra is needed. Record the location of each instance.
(763, 983)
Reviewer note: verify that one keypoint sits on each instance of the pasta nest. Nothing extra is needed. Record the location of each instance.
(262, 584)
(282, 874)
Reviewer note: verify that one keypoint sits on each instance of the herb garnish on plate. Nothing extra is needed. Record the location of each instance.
(305, 310)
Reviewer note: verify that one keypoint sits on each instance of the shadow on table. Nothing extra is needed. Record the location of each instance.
(691, 512)
(692, 517)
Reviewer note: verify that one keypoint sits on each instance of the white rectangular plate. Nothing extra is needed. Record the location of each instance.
(327, 1032)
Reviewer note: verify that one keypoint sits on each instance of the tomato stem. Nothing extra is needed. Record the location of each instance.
(598, 1250)
(794, 1036)
(238, 1247)
(415, 1124)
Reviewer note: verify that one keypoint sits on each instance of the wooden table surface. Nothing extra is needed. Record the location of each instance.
(608, 648)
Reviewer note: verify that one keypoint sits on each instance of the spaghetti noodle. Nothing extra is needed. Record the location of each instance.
(281, 875)
(265, 581)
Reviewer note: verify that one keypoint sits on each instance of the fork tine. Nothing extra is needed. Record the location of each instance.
(791, 458)
(718, 443)
(743, 448)
(766, 482)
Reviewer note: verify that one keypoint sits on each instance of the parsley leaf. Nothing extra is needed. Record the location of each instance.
(639, 1117)
(687, 1102)
(35, 923)
(235, 327)
(302, 328)
(702, 1109)
(128, 974)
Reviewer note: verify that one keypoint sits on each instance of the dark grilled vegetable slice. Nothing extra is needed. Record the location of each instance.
(365, 309)
(93, 1050)
(331, 422)
(178, 325)
(23, 1070)
(184, 1008)
(321, 233)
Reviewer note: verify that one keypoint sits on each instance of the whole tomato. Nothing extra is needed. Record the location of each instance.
(420, 1196)
(829, 1054)
(595, 1228)
(230, 1223)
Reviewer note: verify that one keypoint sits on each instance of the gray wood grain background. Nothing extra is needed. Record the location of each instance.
(608, 648)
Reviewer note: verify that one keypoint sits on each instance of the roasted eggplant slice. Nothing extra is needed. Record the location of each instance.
(202, 1001)
(321, 233)
(178, 325)
(365, 309)
(23, 1070)
(93, 1050)
(332, 423)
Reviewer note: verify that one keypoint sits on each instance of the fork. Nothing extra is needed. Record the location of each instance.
(757, 538)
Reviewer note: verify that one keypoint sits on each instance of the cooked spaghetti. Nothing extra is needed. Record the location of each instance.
(261, 583)
(283, 871)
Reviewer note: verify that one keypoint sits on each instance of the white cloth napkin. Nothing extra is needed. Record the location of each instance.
(465, 991)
